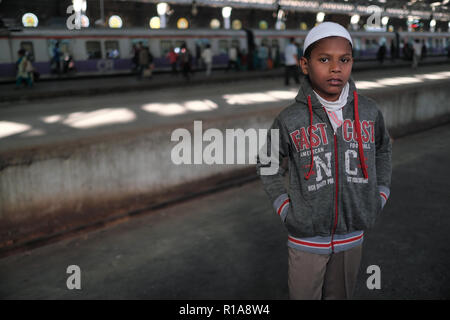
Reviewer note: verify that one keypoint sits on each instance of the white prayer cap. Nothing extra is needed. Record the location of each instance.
(324, 30)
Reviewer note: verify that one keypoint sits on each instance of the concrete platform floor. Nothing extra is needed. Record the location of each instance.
(231, 245)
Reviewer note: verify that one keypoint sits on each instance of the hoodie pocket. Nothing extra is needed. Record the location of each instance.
(299, 220)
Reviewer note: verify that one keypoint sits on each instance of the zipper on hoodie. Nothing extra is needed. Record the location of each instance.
(336, 182)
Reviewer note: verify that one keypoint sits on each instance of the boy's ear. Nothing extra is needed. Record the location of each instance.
(304, 65)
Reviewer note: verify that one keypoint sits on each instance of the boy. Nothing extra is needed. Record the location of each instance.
(339, 156)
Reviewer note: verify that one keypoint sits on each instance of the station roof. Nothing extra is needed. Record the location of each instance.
(423, 8)
(410, 4)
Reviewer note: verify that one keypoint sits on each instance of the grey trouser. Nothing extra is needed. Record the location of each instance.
(323, 276)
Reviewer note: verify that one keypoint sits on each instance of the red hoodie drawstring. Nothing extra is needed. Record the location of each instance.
(309, 133)
(358, 133)
(359, 138)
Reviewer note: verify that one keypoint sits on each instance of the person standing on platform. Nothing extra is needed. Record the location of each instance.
(145, 60)
(135, 59)
(207, 58)
(291, 62)
(263, 53)
(56, 59)
(393, 51)
(381, 53)
(23, 70)
(424, 50)
(185, 58)
(232, 58)
(173, 59)
(417, 53)
(339, 154)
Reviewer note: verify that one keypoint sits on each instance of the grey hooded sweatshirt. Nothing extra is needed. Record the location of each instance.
(337, 191)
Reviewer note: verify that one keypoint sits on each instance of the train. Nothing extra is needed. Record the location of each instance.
(110, 51)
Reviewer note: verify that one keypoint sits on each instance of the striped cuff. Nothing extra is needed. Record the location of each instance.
(384, 194)
(281, 206)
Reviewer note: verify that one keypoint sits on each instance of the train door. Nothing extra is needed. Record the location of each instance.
(112, 49)
(274, 53)
(263, 54)
(136, 43)
(439, 48)
(356, 47)
(447, 46)
(60, 55)
(222, 57)
(7, 58)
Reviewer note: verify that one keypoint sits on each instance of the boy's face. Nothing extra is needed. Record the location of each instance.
(329, 66)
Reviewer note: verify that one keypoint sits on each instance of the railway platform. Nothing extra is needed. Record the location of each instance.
(89, 84)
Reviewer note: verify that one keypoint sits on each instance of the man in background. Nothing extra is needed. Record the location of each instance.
(291, 62)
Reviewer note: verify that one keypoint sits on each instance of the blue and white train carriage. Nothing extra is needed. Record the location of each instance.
(110, 51)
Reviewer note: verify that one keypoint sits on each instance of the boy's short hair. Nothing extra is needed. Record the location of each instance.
(308, 51)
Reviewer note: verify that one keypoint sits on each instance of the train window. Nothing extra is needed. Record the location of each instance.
(64, 47)
(375, 43)
(29, 49)
(165, 46)
(371, 43)
(275, 43)
(223, 46)
(136, 41)
(112, 49)
(180, 43)
(265, 42)
(93, 49)
(235, 43)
